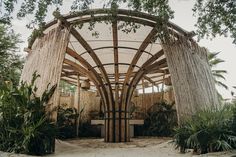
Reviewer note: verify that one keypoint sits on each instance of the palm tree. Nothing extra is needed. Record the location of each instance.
(217, 74)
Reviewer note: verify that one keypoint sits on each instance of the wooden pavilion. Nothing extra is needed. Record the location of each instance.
(115, 51)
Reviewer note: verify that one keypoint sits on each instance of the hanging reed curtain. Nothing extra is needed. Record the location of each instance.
(191, 77)
(46, 58)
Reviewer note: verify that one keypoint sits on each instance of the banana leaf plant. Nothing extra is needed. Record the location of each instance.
(25, 126)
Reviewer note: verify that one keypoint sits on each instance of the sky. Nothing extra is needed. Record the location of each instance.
(183, 17)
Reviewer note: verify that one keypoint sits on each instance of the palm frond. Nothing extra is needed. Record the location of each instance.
(219, 71)
(212, 55)
(218, 76)
(219, 83)
(207, 131)
(215, 62)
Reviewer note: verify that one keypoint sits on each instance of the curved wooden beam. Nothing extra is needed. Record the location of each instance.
(75, 55)
(96, 75)
(115, 64)
(140, 72)
(87, 73)
(101, 68)
(126, 13)
(134, 61)
(116, 47)
(125, 19)
(145, 70)
(82, 41)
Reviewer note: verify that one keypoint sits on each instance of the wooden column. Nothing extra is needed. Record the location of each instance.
(117, 108)
(153, 94)
(78, 104)
(123, 117)
(143, 96)
(191, 75)
(162, 88)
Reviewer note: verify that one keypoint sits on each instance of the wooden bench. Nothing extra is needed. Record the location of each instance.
(132, 122)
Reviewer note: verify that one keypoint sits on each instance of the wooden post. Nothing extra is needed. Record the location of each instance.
(78, 105)
(143, 96)
(162, 88)
(153, 93)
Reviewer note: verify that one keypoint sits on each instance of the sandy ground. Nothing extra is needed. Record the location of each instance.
(138, 147)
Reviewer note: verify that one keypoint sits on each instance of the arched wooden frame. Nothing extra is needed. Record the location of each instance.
(102, 91)
(118, 47)
(116, 89)
(115, 103)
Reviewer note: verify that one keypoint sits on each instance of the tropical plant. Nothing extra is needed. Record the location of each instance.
(234, 118)
(217, 74)
(161, 120)
(207, 131)
(25, 126)
(66, 122)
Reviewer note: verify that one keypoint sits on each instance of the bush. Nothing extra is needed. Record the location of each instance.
(161, 119)
(207, 131)
(234, 118)
(66, 122)
(24, 123)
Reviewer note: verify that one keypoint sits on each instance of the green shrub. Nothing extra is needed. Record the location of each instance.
(66, 122)
(207, 131)
(24, 123)
(234, 118)
(161, 120)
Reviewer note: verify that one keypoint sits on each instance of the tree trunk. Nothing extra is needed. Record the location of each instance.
(191, 77)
